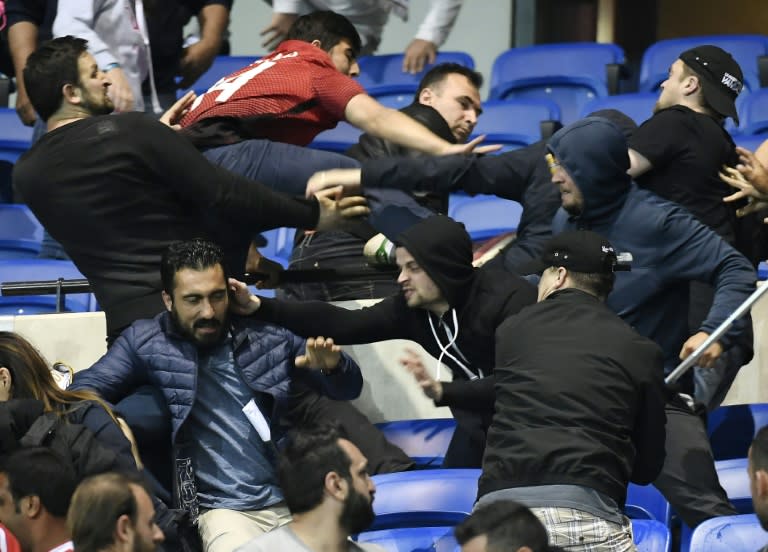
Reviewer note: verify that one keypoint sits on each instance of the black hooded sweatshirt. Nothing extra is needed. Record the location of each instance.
(480, 300)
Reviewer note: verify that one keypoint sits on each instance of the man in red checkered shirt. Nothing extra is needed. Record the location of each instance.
(256, 120)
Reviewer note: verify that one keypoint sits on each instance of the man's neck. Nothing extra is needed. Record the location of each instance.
(65, 117)
(54, 534)
(332, 538)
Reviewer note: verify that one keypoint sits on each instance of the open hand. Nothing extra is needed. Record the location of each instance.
(419, 53)
(322, 354)
(241, 301)
(348, 179)
(431, 387)
(473, 146)
(277, 29)
(178, 110)
(335, 209)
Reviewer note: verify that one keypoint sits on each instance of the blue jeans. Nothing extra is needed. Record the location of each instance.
(282, 167)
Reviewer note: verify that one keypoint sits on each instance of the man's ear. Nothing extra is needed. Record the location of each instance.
(317, 43)
(71, 93)
(761, 483)
(167, 300)
(336, 486)
(426, 96)
(123, 529)
(691, 84)
(31, 506)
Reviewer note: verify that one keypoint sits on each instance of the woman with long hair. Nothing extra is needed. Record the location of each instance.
(24, 374)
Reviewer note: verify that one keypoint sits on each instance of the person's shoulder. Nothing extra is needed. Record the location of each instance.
(280, 537)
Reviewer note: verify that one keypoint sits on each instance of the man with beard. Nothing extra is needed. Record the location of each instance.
(329, 492)
(113, 512)
(115, 191)
(226, 381)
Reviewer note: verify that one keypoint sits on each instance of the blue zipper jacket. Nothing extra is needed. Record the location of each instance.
(153, 352)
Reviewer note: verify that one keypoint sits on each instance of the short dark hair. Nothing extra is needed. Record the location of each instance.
(507, 525)
(311, 453)
(97, 504)
(49, 68)
(438, 73)
(759, 454)
(598, 284)
(197, 254)
(41, 472)
(328, 27)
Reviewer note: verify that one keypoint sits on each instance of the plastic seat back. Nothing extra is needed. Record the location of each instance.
(745, 49)
(651, 536)
(638, 107)
(424, 498)
(741, 533)
(732, 428)
(570, 74)
(383, 75)
(413, 539)
(425, 441)
(486, 216)
(515, 123)
(15, 137)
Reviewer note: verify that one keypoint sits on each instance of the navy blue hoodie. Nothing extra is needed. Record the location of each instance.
(669, 247)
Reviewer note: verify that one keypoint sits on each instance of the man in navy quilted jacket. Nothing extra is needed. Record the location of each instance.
(226, 381)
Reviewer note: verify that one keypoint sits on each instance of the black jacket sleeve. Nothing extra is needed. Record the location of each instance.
(476, 395)
(506, 175)
(347, 327)
(246, 201)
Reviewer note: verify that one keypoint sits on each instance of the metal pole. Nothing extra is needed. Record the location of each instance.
(683, 367)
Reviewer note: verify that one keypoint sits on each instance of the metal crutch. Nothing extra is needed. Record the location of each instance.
(685, 365)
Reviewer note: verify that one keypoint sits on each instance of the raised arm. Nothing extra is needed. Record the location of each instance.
(198, 57)
(313, 318)
(431, 34)
(22, 41)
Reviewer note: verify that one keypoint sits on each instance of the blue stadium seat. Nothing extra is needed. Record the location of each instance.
(26, 270)
(729, 534)
(515, 123)
(15, 138)
(338, 139)
(222, 66)
(745, 49)
(753, 113)
(762, 271)
(638, 107)
(486, 216)
(735, 480)
(732, 428)
(425, 441)
(279, 244)
(424, 498)
(19, 249)
(413, 539)
(651, 536)
(749, 142)
(18, 223)
(570, 74)
(383, 76)
(647, 502)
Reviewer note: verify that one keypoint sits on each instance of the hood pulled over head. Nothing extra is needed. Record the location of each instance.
(593, 151)
(443, 249)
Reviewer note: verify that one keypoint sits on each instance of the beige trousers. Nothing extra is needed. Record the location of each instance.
(224, 530)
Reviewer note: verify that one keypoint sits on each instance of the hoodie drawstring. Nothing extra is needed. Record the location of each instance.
(451, 344)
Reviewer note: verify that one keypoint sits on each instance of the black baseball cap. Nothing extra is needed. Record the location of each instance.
(579, 251)
(720, 75)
